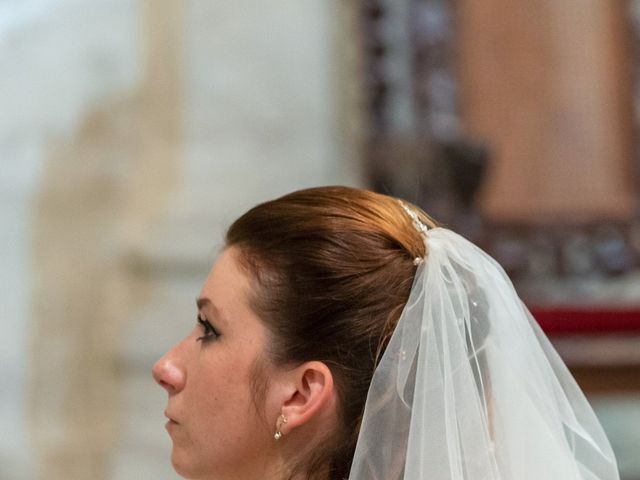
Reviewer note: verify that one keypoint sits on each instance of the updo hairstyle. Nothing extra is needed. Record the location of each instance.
(331, 269)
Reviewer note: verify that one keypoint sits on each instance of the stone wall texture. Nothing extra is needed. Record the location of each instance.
(133, 132)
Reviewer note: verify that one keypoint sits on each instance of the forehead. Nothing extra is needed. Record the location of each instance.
(226, 288)
(225, 270)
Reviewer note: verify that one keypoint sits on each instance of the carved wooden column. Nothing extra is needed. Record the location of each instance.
(543, 91)
(547, 85)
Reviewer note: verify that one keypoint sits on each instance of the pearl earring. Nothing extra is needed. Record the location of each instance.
(282, 420)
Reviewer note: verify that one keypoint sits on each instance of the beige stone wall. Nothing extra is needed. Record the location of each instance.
(104, 185)
(228, 104)
(56, 60)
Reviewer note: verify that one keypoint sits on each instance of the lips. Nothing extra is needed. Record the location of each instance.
(170, 417)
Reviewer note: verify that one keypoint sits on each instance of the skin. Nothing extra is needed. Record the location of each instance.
(216, 431)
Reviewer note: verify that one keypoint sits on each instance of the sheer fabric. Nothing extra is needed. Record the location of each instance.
(469, 388)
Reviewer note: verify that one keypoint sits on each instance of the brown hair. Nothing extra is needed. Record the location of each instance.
(332, 268)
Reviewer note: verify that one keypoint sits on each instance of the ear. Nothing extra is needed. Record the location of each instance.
(313, 394)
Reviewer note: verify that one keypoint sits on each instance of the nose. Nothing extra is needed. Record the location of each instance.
(169, 374)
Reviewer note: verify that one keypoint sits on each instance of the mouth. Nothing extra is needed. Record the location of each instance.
(170, 426)
(171, 421)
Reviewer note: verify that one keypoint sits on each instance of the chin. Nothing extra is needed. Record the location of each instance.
(182, 466)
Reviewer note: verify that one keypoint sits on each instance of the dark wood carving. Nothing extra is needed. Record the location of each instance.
(438, 167)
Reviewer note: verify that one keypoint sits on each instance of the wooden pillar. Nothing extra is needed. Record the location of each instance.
(547, 85)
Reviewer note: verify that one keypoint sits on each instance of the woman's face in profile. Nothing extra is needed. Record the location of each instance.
(213, 423)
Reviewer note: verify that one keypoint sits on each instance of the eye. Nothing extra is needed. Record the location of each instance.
(208, 332)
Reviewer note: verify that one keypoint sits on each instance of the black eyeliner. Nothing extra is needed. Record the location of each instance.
(210, 333)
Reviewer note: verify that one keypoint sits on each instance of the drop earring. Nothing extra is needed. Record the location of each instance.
(282, 420)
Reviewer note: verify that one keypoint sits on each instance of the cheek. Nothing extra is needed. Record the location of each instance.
(224, 419)
(222, 430)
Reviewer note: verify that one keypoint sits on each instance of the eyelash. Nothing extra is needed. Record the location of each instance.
(209, 333)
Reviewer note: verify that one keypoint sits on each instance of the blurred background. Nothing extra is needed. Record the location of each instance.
(132, 132)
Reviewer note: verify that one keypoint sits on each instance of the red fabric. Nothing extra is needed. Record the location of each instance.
(581, 320)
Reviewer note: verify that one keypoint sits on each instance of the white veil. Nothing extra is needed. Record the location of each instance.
(469, 388)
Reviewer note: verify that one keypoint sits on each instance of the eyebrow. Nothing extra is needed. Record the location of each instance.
(204, 302)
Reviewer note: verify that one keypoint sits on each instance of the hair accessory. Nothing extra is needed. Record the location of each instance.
(282, 420)
(417, 223)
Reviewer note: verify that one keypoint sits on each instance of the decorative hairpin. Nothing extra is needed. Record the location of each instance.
(417, 223)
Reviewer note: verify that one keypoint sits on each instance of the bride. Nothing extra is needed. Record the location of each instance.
(342, 334)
